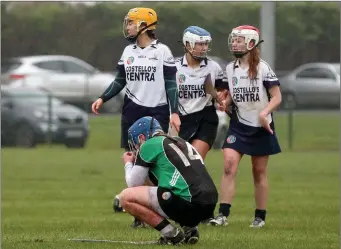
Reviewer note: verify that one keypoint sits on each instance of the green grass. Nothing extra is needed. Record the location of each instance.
(52, 194)
(311, 132)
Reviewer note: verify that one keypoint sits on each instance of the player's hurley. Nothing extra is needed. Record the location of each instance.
(172, 130)
(208, 86)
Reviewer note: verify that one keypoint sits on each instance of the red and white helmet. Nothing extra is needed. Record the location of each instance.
(243, 39)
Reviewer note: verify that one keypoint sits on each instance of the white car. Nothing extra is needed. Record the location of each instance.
(67, 78)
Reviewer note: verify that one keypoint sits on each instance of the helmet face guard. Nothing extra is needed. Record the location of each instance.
(130, 25)
(243, 39)
(138, 21)
(199, 41)
(131, 143)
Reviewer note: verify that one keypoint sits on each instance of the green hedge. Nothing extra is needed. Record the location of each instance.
(305, 31)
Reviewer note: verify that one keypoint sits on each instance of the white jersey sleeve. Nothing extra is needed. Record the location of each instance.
(218, 75)
(120, 63)
(168, 60)
(269, 77)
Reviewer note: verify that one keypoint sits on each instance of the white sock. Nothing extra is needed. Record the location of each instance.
(169, 231)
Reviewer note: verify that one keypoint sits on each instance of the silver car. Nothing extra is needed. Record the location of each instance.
(30, 117)
(312, 85)
(67, 78)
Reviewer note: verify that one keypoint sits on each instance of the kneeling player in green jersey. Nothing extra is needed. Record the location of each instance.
(184, 191)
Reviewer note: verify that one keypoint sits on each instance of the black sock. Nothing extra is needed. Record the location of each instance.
(225, 209)
(162, 225)
(260, 214)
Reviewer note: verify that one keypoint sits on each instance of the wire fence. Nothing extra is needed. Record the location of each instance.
(38, 118)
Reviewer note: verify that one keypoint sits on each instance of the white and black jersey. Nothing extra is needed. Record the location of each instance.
(145, 69)
(149, 76)
(250, 97)
(192, 96)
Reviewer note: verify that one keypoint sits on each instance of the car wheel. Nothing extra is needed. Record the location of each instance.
(75, 143)
(288, 101)
(25, 136)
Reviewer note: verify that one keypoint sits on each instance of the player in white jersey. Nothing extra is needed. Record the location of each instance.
(147, 70)
(254, 94)
(199, 120)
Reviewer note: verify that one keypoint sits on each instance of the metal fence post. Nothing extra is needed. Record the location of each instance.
(290, 128)
(49, 133)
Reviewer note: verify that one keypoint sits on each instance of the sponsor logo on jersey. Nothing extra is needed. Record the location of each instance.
(231, 139)
(166, 195)
(154, 57)
(170, 59)
(234, 81)
(130, 60)
(271, 76)
(182, 78)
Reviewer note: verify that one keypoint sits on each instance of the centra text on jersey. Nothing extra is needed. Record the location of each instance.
(140, 76)
(246, 94)
(140, 73)
(191, 91)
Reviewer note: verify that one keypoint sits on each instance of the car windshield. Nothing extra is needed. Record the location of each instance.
(33, 97)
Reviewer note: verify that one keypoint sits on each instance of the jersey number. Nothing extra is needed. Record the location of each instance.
(190, 154)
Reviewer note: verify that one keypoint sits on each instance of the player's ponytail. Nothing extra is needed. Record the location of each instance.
(151, 34)
(254, 59)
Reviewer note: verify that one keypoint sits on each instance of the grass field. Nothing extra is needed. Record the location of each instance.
(52, 194)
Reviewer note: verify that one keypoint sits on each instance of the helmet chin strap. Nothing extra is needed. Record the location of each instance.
(241, 54)
(196, 58)
(133, 39)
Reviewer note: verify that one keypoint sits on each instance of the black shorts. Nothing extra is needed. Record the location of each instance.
(251, 141)
(181, 211)
(164, 122)
(202, 125)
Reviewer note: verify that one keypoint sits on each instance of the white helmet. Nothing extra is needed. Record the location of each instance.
(193, 35)
(251, 39)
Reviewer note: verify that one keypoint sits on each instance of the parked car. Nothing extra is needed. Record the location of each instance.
(30, 117)
(312, 85)
(68, 78)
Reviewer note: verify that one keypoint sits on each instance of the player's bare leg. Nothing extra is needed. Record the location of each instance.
(137, 202)
(118, 208)
(201, 146)
(138, 223)
(227, 187)
(259, 166)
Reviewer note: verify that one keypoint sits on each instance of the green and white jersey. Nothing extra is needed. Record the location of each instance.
(179, 169)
